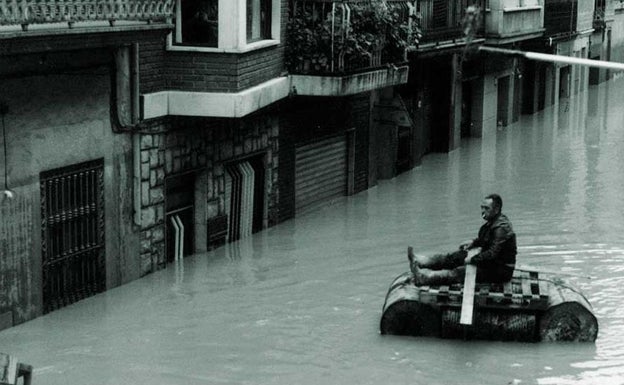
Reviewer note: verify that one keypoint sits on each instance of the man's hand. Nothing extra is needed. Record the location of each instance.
(465, 246)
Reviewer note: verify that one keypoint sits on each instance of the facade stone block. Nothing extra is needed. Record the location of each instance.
(156, 195)
(159, 234)
(146, 245)
(171, 140)
(148, 216)
(146, 263)
(227, 151)
(249, 146)
(161, 158)
(146, 142)
(168, 162)
(210, 190)
(160, 176)
(152, 178)
(144, 156)
(218, 169)
(160, 213)
(153, 153)
(145, 171)
(145, 187)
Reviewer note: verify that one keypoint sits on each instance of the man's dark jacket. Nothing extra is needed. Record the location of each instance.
(497, 241)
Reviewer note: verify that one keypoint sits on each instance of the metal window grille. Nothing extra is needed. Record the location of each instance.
(72, 243)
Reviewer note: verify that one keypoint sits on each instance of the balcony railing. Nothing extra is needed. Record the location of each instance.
(561, 17)
(599, 18)
(506, 19)
(443, 20)
(26, 12)
(346, 36)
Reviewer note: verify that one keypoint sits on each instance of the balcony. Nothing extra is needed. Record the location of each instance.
(344, 47)
(507, 21)
(443, 23)
(59, 16)
(566, 18)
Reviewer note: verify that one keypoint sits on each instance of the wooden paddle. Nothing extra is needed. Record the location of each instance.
(469, 289)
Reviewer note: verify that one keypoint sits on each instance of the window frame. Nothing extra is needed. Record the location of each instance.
(232, 36)
(263, 28)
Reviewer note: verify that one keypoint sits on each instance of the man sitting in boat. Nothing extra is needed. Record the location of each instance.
(495, 262)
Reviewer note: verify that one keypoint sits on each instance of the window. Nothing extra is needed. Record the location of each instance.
(199, 23)
(258, 20)
(225, 25)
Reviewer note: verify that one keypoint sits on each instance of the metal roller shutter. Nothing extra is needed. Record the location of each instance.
(320, 173)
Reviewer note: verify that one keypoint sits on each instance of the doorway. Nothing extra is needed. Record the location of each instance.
(564, 82)
(502, 111)
(466, 109)
(72, 214)
(244, 197)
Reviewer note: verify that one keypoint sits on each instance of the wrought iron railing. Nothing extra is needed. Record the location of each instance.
(599, 18)
(561, 18)
(25, 12)
(338, 36)
(443, 20)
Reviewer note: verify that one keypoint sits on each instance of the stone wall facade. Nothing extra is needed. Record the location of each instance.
(205, 146)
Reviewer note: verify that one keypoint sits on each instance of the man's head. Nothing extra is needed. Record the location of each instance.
(491, 206)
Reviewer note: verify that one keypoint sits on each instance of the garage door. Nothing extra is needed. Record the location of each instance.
(320, 169)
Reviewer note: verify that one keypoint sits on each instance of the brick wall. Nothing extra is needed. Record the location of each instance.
(152, 63)
(260, 66)
(221, 72)
(199, 71)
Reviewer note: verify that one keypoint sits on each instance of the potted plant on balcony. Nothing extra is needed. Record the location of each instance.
(370, 34)
(302, 43)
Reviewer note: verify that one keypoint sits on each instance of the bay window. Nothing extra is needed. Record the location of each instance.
(225, 25)
(199, 22)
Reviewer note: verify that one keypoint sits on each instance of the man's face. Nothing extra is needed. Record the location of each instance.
(488, 211)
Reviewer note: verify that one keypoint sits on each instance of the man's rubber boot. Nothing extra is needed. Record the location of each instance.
(424, 277)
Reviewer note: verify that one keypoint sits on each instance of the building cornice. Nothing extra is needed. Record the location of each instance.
(214, 104)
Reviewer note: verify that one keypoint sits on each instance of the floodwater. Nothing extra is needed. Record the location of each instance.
(300, 303)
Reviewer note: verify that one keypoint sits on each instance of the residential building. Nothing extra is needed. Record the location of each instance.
(456, 91)
(141, 131)
(70, 78)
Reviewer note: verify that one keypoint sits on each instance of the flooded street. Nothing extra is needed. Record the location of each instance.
(300, 303)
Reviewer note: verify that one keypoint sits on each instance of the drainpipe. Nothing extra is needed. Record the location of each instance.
(332, 35)
(346, 21)
(136, 136)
